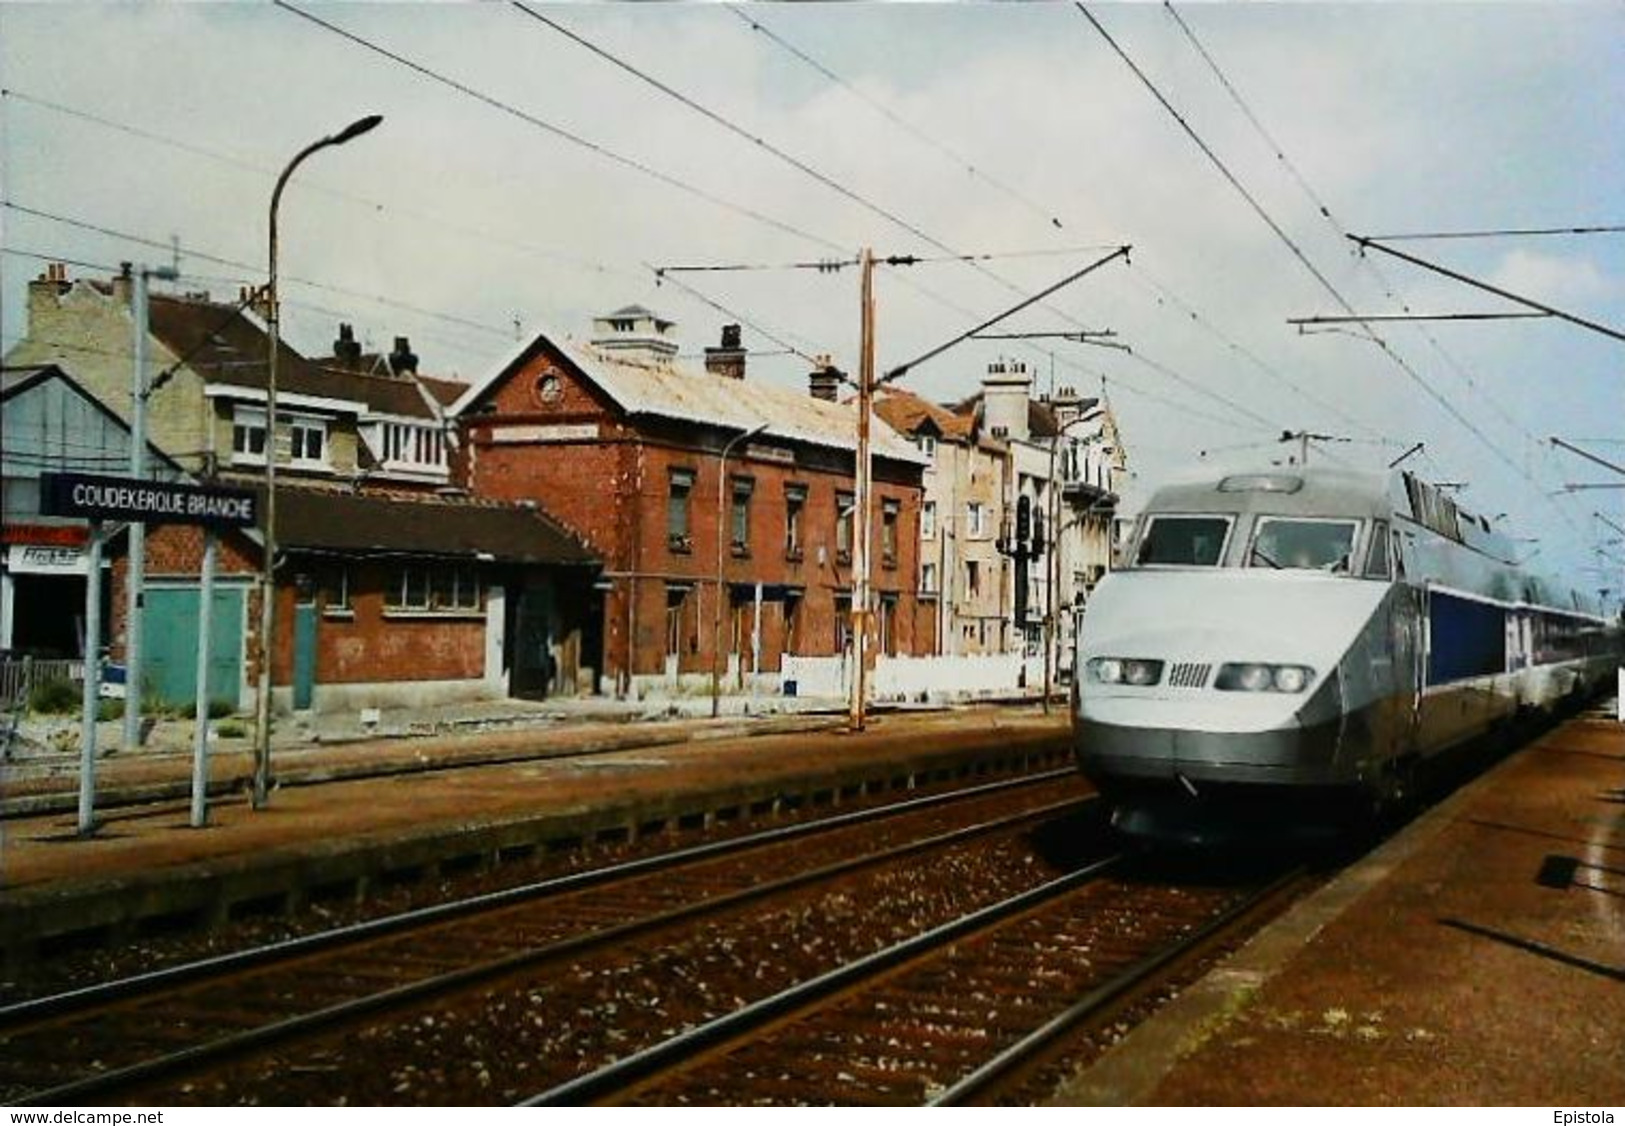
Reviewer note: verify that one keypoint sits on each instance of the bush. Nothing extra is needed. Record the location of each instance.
(110, 709)
(231, 729)
(219, 709)
(55, 697)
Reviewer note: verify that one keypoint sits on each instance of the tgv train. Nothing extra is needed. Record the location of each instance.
(1284, 635)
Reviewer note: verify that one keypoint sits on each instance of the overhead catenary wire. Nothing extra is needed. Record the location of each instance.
(555, 130)
(754, 22)
(1324, 210)
(1297, 251)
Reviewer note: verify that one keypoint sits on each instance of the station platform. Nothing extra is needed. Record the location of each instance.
(345, 816)
(1477, 958)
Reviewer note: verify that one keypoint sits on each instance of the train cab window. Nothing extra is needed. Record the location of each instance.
(1183, 541)
(1377, 565)
(1280, 543)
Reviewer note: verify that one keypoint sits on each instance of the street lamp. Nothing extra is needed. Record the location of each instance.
(262, 703)
(716, 616)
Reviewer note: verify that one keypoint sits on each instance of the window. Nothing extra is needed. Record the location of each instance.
(843, 527)
(795, 500)
(1189, 541)
(335, 589)
(928, 445)
(412, 445)
(308, 441)
(248, 436)
(431, 588)
(676, 598)
(843, 622)
(888, 624)
(1309, 545)
(928, 520)
(1376, 558)
(973, 577)
(928, 578)
(890, 513)
(976, 519)
(743, 487)
(682, 484)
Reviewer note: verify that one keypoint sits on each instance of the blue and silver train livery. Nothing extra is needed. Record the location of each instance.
(1288, 634)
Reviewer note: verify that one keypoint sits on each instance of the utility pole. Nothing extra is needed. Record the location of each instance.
(861, 501)
(136, 575)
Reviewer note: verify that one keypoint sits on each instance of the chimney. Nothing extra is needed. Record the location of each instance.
(824, 382)
(1006, 389)
(347, 349)
(402, 359)
(124, 283)
(728, 361)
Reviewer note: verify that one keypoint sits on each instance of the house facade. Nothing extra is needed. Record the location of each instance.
(723, 507)
(392, 584)
(1003, 459)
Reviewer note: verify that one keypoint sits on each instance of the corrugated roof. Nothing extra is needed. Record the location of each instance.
(664, 390)
(325, 519)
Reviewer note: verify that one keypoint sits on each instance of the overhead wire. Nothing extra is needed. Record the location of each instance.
(1291, 244)
(1324, 210)
(754, 22)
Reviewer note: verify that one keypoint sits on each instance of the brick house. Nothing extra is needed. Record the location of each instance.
(393, 584)
(679, 477)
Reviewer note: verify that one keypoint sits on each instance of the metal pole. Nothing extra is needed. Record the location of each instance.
(200, 736)
(136, 573)
(93, 682)
(860, 503)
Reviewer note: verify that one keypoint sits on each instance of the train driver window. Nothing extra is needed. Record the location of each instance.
(1183, 541)
(1281, 543)
(1376, 559)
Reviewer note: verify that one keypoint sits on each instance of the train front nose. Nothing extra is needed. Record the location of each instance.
(1209, 738)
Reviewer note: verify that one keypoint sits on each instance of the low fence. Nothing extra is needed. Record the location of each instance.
(917, 678)
(19, 675)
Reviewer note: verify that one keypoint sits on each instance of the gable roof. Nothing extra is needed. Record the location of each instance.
(908, 413)
(663, 390)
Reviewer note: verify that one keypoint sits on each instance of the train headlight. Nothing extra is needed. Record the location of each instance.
(1256, 677)
(1124, 670)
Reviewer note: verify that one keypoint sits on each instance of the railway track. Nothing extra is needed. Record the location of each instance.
(970, 1012)
(241, 1025)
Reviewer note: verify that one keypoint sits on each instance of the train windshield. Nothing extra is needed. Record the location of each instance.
(1183, 541)
(1314, 545)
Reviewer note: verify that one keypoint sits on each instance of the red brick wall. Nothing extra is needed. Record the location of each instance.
(366, 646)
(614, 491)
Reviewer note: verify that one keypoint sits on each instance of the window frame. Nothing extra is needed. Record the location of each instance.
(1149, 520)
(679, 505)
(795, 506)
(1263, 519)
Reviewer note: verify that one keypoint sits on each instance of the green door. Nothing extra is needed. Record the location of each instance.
(169, 628)
(304, 655)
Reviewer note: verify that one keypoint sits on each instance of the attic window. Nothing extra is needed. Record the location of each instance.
(927, 444)
(548, 389)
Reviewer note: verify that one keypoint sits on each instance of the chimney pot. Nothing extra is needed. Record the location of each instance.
(728, 361)
(346, 349)
(825, 383)
(402, 359)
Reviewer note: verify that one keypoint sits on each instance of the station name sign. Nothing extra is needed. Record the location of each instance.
(146, 502)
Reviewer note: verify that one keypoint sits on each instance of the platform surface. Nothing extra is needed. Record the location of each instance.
(1476, 958)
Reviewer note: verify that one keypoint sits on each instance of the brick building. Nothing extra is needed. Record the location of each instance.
(393, 585)
(679, 477)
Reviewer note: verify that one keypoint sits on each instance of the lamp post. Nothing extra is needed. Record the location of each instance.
(262, 702)
(716, 616)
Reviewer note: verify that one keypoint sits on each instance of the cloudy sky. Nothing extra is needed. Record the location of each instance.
(524, 179)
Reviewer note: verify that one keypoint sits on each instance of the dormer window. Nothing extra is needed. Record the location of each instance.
(928, 445)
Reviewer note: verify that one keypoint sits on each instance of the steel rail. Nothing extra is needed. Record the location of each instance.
(977, 1083)
(159, 1067)
(87, 997)
(640, 1066)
